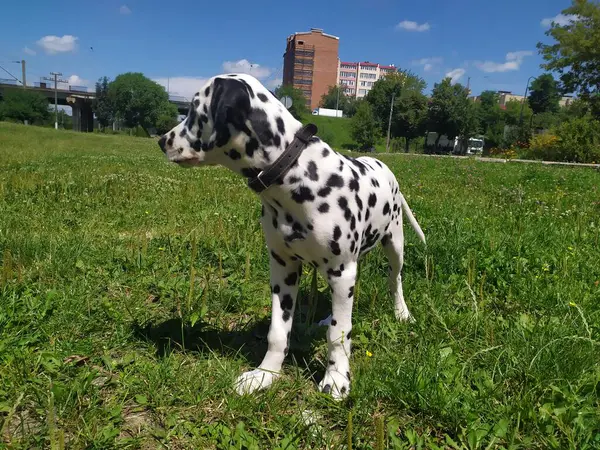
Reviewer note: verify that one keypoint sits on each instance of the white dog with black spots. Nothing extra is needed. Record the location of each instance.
(327, 210)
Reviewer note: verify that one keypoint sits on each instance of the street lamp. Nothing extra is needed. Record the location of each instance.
(525, 98)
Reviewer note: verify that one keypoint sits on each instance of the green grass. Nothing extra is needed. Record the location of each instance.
(133, 293)
(334, 130)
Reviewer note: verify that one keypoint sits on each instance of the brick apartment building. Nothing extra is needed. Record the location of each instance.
(310, 63)
(358, 78)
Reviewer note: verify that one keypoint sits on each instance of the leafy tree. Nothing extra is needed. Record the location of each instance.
(137, 100)
(331, 99)
(512, 112)
(410, 104)
(409, 118)
(352, 106)
(364, 127)
(545, 95)
(102, 106)
(393, 84)
(167, 118)
(24, 105)
(490, 120)
(575, 54)
(298, 109)
(450, 111)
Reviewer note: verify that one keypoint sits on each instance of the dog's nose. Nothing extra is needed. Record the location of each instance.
(162, 142)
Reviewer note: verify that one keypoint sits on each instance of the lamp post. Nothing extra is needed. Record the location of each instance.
(523, 102)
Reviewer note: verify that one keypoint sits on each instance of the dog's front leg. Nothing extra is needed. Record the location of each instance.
(285, 278)
(339, 334)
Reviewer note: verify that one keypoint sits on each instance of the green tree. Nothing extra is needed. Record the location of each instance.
(575, 54)
(409, 118)
(137, 100)
(364, 127)
(512, 112)
(167, 118)
(544, 96)
(102, 106)
(24, 105)
(450, 111)
(410, 104)
(331, 100)
(490, 120)
(299, 108)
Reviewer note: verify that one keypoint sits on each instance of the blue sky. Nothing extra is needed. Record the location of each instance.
(493, 43)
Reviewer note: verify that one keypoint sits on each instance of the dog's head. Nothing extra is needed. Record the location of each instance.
(234, 121)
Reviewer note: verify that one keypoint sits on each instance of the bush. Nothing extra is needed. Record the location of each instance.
(576, 140)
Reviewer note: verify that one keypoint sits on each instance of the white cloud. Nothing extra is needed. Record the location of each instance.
(55, 44)
(245, 66)
(409, 25)
(75, 80)
(513, 62)
(182, 86)
(560, 19)
(427, 63)
(29, 51)
(124, 10)
(455, 74)
(275, 82)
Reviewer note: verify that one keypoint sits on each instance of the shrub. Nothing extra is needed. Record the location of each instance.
(575, 140)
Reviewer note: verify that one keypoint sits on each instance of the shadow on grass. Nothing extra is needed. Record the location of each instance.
(248, 341)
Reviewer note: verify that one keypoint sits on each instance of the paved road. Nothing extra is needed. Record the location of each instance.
(496, 160)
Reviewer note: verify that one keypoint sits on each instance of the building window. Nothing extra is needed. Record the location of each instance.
(303, 61)
(305, 53)
(301, 81)
(362, 91)
(303, 73)
(348, 74)
(368, 76)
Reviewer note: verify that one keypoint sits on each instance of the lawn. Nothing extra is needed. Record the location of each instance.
(134, 292)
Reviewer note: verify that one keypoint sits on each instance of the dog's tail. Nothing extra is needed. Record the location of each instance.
(411, 218)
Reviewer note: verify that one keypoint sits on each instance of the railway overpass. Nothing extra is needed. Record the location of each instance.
(80, 101)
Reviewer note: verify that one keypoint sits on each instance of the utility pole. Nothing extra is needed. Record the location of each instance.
(387, 145)
(24, 76)
(56, 81)
(337, 101)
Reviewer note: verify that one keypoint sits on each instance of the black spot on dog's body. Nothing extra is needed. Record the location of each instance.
(302, 194)
(276, 289)
(374, 182)
(251, 147)
(278, 258)
(337, 233)
(333, 322)
(335, 248)
(281, 127)
(359, 202)
(349, 335)
(324, 207)
(234, 154)
(351, 292)
(293, 179)
(386, 209)
(289, 218)
(372, 200)
(262, 97)
(287, 302)
(207, 91)
(312, 171)
(325, 153)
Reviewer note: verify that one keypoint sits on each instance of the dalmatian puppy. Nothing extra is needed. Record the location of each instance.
(326, 210)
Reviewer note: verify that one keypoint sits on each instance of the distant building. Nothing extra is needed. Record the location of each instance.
(310, 64)
(358, 78)
(506, 96)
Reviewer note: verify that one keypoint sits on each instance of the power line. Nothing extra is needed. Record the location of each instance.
(11, 74)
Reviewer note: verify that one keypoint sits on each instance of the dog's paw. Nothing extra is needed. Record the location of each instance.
(325, 322)
(254, 380)
(405, 316)
(336, 384)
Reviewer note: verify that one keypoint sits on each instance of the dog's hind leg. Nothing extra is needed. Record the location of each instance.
(393, 246)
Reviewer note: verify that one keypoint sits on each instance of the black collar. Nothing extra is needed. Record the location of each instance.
(278, 169)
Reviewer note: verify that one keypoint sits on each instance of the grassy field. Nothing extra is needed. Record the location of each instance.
(134, 292)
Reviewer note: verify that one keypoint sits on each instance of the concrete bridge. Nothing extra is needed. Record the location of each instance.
(80, 101)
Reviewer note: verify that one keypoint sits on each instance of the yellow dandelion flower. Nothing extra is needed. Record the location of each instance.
(369, 354)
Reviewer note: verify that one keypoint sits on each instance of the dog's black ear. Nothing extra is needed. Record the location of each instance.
(229, 105)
